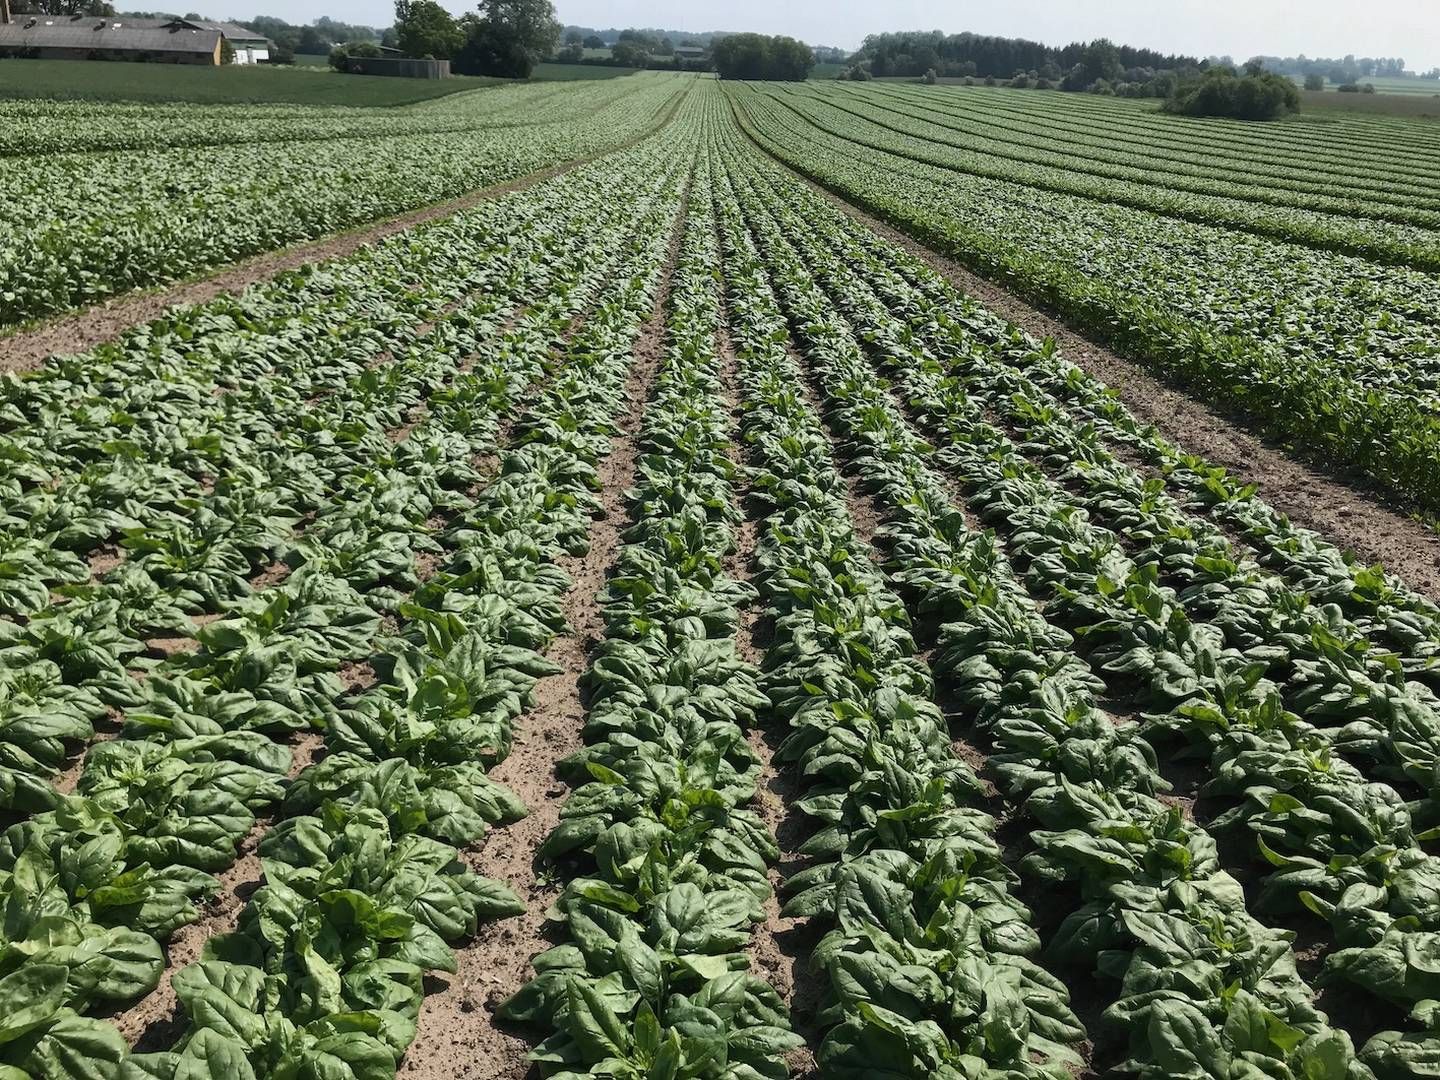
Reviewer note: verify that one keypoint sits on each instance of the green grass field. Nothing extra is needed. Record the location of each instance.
(551, 72)
(97, 81)
(1422, 87)
(1382, 103)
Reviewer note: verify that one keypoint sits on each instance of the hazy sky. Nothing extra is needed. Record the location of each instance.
(1241, 28)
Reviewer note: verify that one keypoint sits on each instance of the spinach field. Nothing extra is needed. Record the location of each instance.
(652, 619)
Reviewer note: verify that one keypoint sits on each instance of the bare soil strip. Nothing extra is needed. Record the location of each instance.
(77, 331)
(460, 1038)
(1345, 512)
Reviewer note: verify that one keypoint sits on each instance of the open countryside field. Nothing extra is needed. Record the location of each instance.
(105, 199)
(309, 82)
(738, 580)
(1283, 272)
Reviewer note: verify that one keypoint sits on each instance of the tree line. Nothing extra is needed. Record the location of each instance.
(1346, 69)
(1122, 69)
(503, 38)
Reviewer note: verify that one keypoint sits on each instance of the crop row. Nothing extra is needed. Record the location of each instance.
(1325, 224)
(68, 127)
(1351, 150)
(1156, 912)
(1163, 157)
(328, 959)
(1333, 839)
(926, 955)
(412, 749)
(651, 977)
(79, 228)
(1336, 354)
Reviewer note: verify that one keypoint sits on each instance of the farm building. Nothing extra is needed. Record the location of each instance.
(250, 47)
(97, 37)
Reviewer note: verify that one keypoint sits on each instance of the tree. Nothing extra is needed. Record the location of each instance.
(594, 41)
(757, 56)
(311, 42)
(1314, 81)
(508, 38)
(1220, 91)
(570, 54)
(1100, 60)
(638, 37)
(227, 51)
(340, 55)
(424, 28)
(573, 36)
(628, 53)
(63, 7)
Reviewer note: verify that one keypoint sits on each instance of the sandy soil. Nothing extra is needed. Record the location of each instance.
(1340, 508)
(460, 1037)
(80, 330)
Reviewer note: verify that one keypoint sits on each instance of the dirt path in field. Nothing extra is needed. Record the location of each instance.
(459, 1036)
(77, 331)
(1343, 511)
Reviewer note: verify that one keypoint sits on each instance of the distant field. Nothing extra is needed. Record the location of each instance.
(1380, 103)
(301, 85)
(826, 71)
(1423, 87)
(569, 72)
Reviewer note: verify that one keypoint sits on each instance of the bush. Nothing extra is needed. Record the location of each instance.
(1044, 84)
(1314, 82)
(340, 55)
(969, 80)
(857, 73)
(931, 78)
(1349, 88)
(630, 54)
(1257, 95)
(1368, 88)
(990, 80)
(1020, 82)
(759, 56)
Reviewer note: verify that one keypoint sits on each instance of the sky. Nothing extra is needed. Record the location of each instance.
(1239, 28)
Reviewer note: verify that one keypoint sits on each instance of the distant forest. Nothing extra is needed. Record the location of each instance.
(1347, 69)
(610, 35)
(1099, 65)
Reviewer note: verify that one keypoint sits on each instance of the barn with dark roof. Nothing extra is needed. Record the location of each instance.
(100, 37)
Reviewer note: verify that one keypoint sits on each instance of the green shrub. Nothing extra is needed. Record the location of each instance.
(1256, 95)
